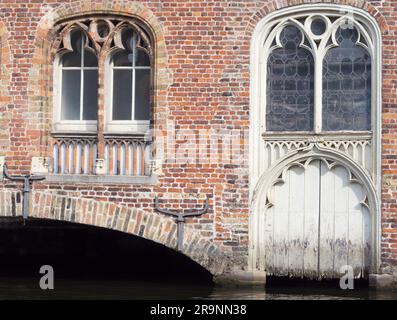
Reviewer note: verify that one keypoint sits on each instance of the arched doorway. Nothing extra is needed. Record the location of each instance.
(314, 212)
(317, 222)
(314, 175)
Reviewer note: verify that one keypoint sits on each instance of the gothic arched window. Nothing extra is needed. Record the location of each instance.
(79, 79)
(131, 74)
(318, 75)
(290, 84)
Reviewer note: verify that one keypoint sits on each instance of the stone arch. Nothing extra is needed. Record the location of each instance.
(314, 151)
(41, 73)
(148, 225)
(274, 5)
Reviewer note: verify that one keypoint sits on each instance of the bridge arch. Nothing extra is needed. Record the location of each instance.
(148, 225)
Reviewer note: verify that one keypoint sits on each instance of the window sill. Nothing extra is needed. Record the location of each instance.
(307, 135)
(101, 179)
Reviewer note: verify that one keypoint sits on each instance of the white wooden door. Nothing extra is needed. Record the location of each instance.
(317, 224)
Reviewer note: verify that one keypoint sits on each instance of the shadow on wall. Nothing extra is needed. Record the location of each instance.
(90, 253)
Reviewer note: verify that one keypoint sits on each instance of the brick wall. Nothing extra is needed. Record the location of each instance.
(203, 84)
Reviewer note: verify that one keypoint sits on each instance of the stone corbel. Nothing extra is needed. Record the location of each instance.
(100, 167)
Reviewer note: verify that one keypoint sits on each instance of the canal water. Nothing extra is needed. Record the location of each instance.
(92, 263)
(28, 288)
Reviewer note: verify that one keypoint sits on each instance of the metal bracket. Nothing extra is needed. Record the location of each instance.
(26, 188)
(180, 218)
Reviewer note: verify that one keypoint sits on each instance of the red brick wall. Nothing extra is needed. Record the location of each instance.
(204, 84)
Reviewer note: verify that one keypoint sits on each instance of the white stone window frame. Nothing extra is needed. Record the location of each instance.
(318, 52)
(70, 126)
(258, 66)
(258, 133)
(136, 127)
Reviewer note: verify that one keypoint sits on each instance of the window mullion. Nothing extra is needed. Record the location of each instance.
(318, 91)
(133, 78)
(82, 80)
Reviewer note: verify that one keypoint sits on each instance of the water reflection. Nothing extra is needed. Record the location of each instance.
(28, 288)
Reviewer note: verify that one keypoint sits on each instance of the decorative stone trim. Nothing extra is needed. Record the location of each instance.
(47, 43)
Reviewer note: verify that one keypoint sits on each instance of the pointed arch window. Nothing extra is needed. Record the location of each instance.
(131, 73)
(318, 72)
(79, 79)
(290, 84)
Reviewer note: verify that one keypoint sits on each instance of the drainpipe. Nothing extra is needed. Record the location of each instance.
(27, 179)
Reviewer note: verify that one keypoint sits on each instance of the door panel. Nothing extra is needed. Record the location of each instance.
(317, 224)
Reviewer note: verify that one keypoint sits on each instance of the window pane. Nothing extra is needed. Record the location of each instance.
(142, 58)
(142, 94)
(90, 59)
(73, 59)
(90, 102)
(70, 104)
(122, 94)
(122, 59)
(127, 38)
(318, 27)
(290, 85)
(347, 85)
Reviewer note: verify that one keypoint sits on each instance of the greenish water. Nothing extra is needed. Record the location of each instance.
(28, 288)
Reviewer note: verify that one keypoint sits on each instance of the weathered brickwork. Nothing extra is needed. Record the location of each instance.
(202, 82)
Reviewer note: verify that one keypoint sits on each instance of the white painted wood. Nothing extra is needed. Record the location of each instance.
(268, 238)
(316, 223)
(341, 219)
(356, 233)
(311, 232)
(296, 221)
(281, 226)
(327, 222)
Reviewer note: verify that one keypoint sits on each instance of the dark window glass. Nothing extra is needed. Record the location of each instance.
(131, 78)
(347, 85)
(122, 59)
(73, 58)
(70, 95)
(122, 94)
(90, 59)
(318, 26)
(290, 85)
(90, 101)
(142, 94)
(75, 66)
(142, 58)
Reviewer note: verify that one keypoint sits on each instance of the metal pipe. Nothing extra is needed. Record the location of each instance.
(180, 218)
(26, 188)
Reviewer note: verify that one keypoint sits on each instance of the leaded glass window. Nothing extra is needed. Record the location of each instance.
(318, 75)
(290, 85)
(347, 85)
